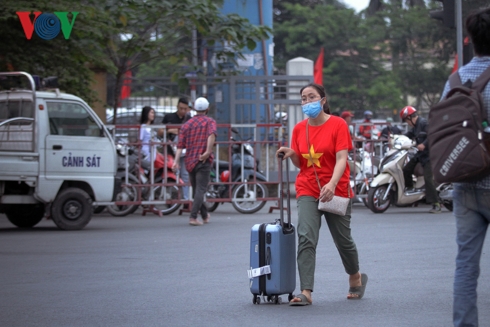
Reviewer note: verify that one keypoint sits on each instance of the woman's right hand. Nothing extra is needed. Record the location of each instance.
(288, 152)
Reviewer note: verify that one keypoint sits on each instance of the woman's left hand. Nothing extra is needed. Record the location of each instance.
(327, 192)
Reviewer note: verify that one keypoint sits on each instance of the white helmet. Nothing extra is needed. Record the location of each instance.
(201, 104)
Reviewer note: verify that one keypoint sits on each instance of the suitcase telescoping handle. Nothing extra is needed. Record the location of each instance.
(281, 191)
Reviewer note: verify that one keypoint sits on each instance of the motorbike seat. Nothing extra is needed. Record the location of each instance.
(223, 165)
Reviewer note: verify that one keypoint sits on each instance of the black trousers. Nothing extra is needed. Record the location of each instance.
(200, 178)
(430, 188)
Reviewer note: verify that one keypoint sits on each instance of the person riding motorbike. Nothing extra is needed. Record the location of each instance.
(366, 128)
(387, 132)
(390, 129)
(419, 133)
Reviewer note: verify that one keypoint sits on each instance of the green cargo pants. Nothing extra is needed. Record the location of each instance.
(309, 223)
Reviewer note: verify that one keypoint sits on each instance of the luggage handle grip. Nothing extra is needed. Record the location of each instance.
(280, 155)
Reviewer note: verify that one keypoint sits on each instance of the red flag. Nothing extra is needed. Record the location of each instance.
(126, 87)
(318, 69)
(466, 42)
(455, 66)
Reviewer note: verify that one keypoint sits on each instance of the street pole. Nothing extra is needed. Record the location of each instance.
(459, 31)
(194, 63)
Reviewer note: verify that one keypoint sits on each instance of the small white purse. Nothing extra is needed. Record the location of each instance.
(338, 205)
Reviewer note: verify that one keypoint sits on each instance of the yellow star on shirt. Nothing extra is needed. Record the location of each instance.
(314, 157)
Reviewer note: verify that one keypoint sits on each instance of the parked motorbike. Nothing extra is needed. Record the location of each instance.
(388, 187)
(363, 167)
(244, 168)
(137, 172)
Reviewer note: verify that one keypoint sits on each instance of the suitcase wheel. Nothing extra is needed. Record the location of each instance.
(256, 299)
(276, 299)
(290, 297)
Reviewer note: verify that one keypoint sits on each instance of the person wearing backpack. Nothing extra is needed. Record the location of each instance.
(471, 199)
(419, 133)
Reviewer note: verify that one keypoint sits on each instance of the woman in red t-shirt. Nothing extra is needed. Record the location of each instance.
(320, 143)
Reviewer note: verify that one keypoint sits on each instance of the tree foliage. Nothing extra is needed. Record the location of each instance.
(118, 36)
(66, 59)
(353, 72)
(389, 55)
(385, 57)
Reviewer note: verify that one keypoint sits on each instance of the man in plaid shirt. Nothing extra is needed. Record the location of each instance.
(471, 200)
(197, 136)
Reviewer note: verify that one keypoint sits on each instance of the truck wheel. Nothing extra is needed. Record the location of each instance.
(72, 209)
(25, 216)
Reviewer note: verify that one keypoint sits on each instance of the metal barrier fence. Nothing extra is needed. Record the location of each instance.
(127, 136)
(363, 164)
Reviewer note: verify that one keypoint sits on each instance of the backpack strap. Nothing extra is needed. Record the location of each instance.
(454, 80)
(482, 80)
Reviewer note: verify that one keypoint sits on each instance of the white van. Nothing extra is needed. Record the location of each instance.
(56, 155)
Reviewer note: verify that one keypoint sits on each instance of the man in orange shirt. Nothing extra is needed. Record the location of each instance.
(366, 128)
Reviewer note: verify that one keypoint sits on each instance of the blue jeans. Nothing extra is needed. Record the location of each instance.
(472, 214)
(184, 174)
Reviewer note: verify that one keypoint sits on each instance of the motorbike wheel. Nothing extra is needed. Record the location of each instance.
(448, 204)
(99, 209)
(375, 199)
(211, 206)
(211, 193)
(247, 191)
(127, 193)
(364, 191)
(168, 193)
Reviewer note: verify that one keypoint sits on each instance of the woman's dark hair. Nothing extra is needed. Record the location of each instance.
(144, 114)
(321, 92)
(478, 27)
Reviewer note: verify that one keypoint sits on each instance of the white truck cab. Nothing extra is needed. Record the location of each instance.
(56, 155)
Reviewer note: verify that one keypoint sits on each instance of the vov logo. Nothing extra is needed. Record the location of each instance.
(47, 25)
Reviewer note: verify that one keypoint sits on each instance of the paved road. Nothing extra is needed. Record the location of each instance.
(151, 271)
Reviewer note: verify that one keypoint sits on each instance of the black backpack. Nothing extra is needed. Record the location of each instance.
(459, 149)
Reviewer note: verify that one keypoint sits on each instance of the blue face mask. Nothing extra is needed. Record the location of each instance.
(312, 109)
